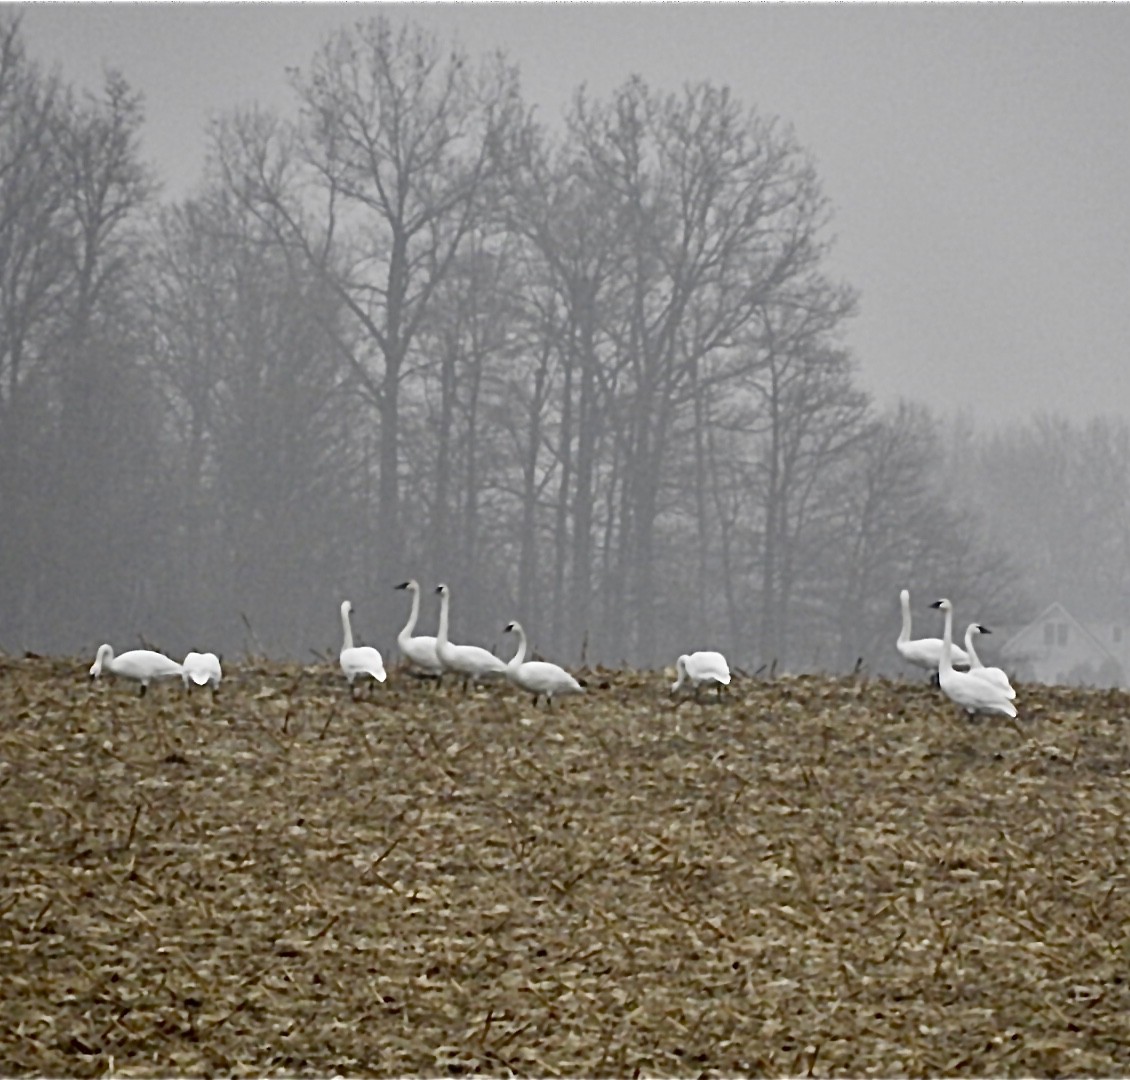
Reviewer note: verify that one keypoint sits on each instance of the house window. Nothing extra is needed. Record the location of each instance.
(1049, 633)
(1116, 634)
(1061, 633)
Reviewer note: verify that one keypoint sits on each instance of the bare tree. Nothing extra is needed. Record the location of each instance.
(574, 237)
(399, 149)
(1056, 493)
(722, 214)
(892, 523)
(268, 467)
(809, 414)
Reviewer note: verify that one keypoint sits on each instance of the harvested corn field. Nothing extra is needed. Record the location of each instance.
(816, 876)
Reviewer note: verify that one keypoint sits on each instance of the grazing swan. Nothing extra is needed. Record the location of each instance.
(202, 669)
(538, 677)
(420, 651)
(973, 693)
(700, 667)
(923, 652)
(357, 659)
(470, 661)
(993, 674)
(141, 665)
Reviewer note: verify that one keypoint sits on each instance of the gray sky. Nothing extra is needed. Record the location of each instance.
(977, 156)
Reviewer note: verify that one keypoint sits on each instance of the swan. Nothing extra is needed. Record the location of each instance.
(993, 674)
(419, 651)
(141, 665)
(470, 661)
(923, 652)
(202, 669)
(972, 692)
(538, 677)
(357, 659)
(700, 667)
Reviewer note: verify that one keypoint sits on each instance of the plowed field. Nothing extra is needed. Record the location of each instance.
(814, 877)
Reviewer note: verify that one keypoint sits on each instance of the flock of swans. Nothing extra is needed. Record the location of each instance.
(959, 672)
(425, 655)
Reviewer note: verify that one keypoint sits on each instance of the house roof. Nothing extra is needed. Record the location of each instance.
(1057, 612)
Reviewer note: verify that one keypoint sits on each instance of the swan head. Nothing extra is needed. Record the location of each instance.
(442, 590)
(942, 605)
(346, 607)
(412, 585)
(981, 629)
(512, 627)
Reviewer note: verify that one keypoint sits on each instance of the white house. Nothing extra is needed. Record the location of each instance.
(1056, 647)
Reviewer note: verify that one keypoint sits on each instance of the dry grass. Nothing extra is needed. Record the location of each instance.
(816, 877)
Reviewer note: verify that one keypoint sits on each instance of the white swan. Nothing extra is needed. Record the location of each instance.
(141, 665)
(702, 667)
(419, 651)
(973, 693)
(357, 659)
(470, 661)
(993, 674)
(925, 653)
(202, 669)
(538, 677)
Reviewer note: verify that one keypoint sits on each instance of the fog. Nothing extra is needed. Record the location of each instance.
(597, 377)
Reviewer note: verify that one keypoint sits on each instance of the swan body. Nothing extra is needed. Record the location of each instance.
(202, 669)
(470, 661)
(538, 677)
(969, 690)
(702, 667)
(993, 674)
(357, 659)
(419, 651)
(140, 665)
(925, 653)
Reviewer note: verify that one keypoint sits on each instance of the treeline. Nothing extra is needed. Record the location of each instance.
(595, 378)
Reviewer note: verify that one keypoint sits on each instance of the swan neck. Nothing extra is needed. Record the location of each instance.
(410, 625)
(346, 629)
(974, 659)
(947, 642)
(904, 633)
(103, 658)
(441, 633)
(519, 657)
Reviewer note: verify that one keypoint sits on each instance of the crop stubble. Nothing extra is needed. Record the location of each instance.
(817, 876)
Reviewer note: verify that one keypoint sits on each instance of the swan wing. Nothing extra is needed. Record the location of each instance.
(470, 660)
(708, 665)
(202, 668)
(362, 660)
(927, 653)
(145, 664)
(421, 652)
(543, 677)
(996, 677)
(976, 695)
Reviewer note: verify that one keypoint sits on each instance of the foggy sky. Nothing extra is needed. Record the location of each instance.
(976, 155)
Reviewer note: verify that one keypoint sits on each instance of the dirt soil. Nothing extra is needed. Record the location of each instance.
(815, 877)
